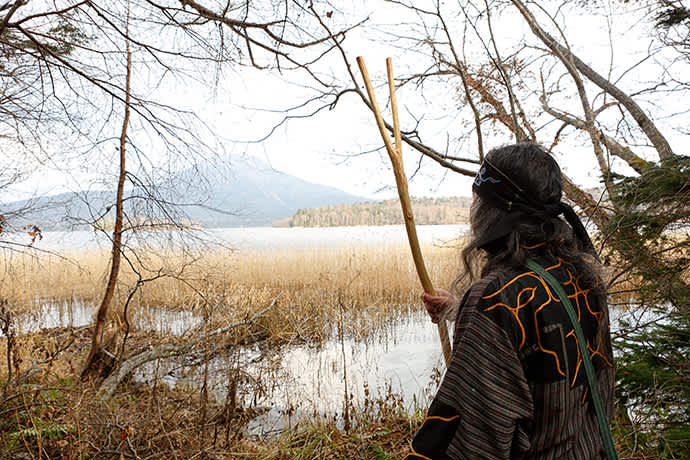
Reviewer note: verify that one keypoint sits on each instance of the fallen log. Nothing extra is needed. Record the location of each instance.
(168, 350)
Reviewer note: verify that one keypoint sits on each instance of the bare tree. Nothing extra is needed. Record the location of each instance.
(93, 357)
(63, 85)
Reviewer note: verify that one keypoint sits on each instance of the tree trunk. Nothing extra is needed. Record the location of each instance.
(93, 362)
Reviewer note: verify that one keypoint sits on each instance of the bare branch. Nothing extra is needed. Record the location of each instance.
(567, 56)
(169, 350)
(625, 153)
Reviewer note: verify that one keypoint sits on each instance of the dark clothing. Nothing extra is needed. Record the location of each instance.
(516, 387)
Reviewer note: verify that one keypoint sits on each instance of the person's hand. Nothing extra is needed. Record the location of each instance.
(440, 306)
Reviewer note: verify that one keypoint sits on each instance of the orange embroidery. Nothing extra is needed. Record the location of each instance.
(527, 295)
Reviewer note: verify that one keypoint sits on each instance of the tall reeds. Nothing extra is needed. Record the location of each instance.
(373, 284)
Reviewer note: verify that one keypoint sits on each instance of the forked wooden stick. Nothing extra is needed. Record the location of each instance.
(395, 154)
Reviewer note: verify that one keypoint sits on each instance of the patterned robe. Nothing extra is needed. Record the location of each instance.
(516, 387)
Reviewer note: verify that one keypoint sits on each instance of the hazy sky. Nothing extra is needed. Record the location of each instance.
(245, 103)
(325, 148)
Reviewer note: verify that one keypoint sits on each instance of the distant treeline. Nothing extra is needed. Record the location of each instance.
(426, 211)
(138, 223)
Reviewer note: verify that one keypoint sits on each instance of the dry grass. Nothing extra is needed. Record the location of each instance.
(52, 415)
(63, 421)
(382, 434)
(369, 285)
(25, 277)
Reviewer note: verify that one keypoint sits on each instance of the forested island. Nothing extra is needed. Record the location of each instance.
(427, 211)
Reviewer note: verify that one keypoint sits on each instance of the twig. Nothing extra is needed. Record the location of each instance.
(242, 323)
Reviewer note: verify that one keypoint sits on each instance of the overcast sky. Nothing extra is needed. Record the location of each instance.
(326, 148)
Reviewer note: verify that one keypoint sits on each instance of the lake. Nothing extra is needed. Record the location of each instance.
(257, 237)
(404, 359)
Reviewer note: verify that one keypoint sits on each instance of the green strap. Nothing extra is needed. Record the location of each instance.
(604, 428)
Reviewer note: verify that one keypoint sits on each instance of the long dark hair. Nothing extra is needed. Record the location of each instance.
(534, 170)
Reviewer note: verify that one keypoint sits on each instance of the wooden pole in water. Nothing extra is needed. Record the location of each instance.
(395, 154)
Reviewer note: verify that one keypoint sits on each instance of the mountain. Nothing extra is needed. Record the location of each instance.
(259, 195)
(249, 194)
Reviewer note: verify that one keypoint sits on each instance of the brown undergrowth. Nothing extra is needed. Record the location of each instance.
(50, 414)
(47, 413)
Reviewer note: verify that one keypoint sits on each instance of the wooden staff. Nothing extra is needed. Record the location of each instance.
(395, 154)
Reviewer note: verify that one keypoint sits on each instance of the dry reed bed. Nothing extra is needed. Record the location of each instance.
(363, 286)
(320, 290)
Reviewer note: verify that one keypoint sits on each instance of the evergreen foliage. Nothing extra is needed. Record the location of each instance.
(673, 15)
(651, 231)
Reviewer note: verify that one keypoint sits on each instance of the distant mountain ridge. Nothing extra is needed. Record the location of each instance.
(251, 194)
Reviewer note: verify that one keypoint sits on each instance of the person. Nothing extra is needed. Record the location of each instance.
(516, 387)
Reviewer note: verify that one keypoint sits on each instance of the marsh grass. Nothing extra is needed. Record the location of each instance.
(51, 415)
(360, 290)
(26, 277)
(381, 432)
(370, 285)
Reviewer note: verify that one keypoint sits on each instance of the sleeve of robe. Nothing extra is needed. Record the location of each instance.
(483, 407)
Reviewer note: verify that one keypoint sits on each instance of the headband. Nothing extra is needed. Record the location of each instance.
(499, 190)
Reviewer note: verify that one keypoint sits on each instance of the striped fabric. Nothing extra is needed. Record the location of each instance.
(516, 388)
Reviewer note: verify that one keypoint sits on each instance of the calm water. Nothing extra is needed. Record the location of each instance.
(404, 358)
(297, 380)
(48, 314)
(303, 380)
(259, 237)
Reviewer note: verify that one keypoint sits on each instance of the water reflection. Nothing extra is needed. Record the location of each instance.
(306, 381)
(50, 314)
(164, 321)
(314, 381)
(298, 381)
(293, 381)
